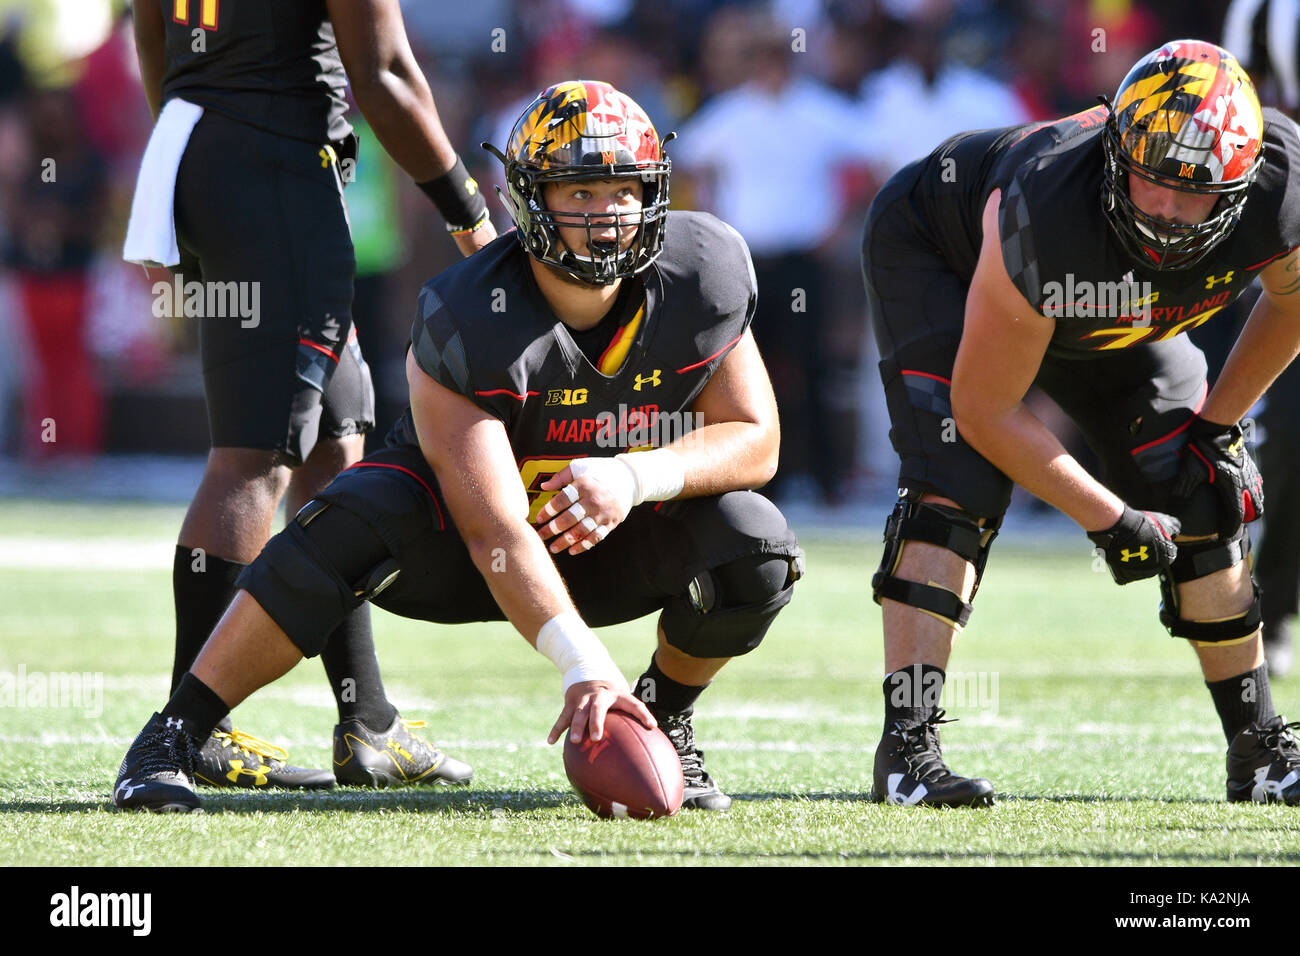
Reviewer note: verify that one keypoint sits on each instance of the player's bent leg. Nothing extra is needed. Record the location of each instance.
(934, 557)
(1210, 599)
(314, 574)
(751, 561)
(726, 612)
(373, 746)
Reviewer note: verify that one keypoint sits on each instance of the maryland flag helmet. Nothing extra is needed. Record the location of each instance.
(583, 129)
(1186, 117)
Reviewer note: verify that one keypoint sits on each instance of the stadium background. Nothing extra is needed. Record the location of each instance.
(1071, 698)
(85, 347)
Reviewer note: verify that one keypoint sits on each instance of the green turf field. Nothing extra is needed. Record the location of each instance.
(1093, 724)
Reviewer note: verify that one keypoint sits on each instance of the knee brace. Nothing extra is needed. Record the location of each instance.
(1196, 560)
(311, 575)
(726, 611)
(951, 528)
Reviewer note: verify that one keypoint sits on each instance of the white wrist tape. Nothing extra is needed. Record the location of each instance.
(659, 474)
(577, 652)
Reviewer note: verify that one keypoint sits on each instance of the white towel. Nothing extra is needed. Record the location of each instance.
(151, 234)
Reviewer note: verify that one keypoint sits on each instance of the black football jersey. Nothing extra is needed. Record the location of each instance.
(272, 64)
(1061, 252)
(484, 330)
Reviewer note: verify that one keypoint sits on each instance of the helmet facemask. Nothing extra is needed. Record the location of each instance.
(1158, 243)
(539, 225)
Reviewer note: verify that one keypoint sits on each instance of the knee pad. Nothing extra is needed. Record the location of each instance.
(951, 528)
(726, 611)
(1196, 560)
(313, 573)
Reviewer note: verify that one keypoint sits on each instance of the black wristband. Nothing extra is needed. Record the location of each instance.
(458, 198)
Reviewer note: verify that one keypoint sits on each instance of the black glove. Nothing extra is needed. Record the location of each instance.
(1217, 455)
(1139, 545)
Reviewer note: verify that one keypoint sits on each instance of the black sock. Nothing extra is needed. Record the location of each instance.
(202, 586)
(912, 694)
(353, 671)
(198, 704)
(663, 696)
(1242, 700)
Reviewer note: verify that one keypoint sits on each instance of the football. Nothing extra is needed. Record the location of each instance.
(631, 772)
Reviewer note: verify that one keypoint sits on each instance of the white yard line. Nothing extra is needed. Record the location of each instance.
(111, 554)
(737, 746)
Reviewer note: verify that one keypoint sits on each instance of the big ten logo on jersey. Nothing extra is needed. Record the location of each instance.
(534, 472)
(566, 396)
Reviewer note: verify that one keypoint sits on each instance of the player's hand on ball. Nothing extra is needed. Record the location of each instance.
(593, 495)
(586, 704)
(1139, 545)
(1217, 455)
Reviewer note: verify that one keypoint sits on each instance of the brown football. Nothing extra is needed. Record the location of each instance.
(630, 772)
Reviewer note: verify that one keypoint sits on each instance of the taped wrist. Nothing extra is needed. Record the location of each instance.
(659, 474)
(458, 198)
(577, 652)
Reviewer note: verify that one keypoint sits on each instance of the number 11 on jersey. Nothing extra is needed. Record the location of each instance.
(208, 12)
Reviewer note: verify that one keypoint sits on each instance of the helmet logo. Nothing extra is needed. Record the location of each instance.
(1187, 170)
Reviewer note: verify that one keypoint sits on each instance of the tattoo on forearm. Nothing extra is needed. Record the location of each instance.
(1292, 281)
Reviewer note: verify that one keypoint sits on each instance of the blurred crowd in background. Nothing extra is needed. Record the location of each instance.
(790, 114)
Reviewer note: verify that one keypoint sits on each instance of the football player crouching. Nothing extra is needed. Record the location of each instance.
(516, 454)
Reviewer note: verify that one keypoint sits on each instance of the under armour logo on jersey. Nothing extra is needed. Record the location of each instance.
(895, 796)
(1270, 791)
(327, 156)
(174, 723)
(1139, 555)
(652, 379)
(1211, 280)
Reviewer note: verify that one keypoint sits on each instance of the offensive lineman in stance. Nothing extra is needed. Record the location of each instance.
(601, 321)
(985, 265)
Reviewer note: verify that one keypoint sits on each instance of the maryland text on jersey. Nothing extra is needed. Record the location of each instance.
(523, 367)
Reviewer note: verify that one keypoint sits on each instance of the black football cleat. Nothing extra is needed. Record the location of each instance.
(910, 771)
(392, 758)
(700, 791)
(157, 772)
(237, 759)
(1264, 764)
